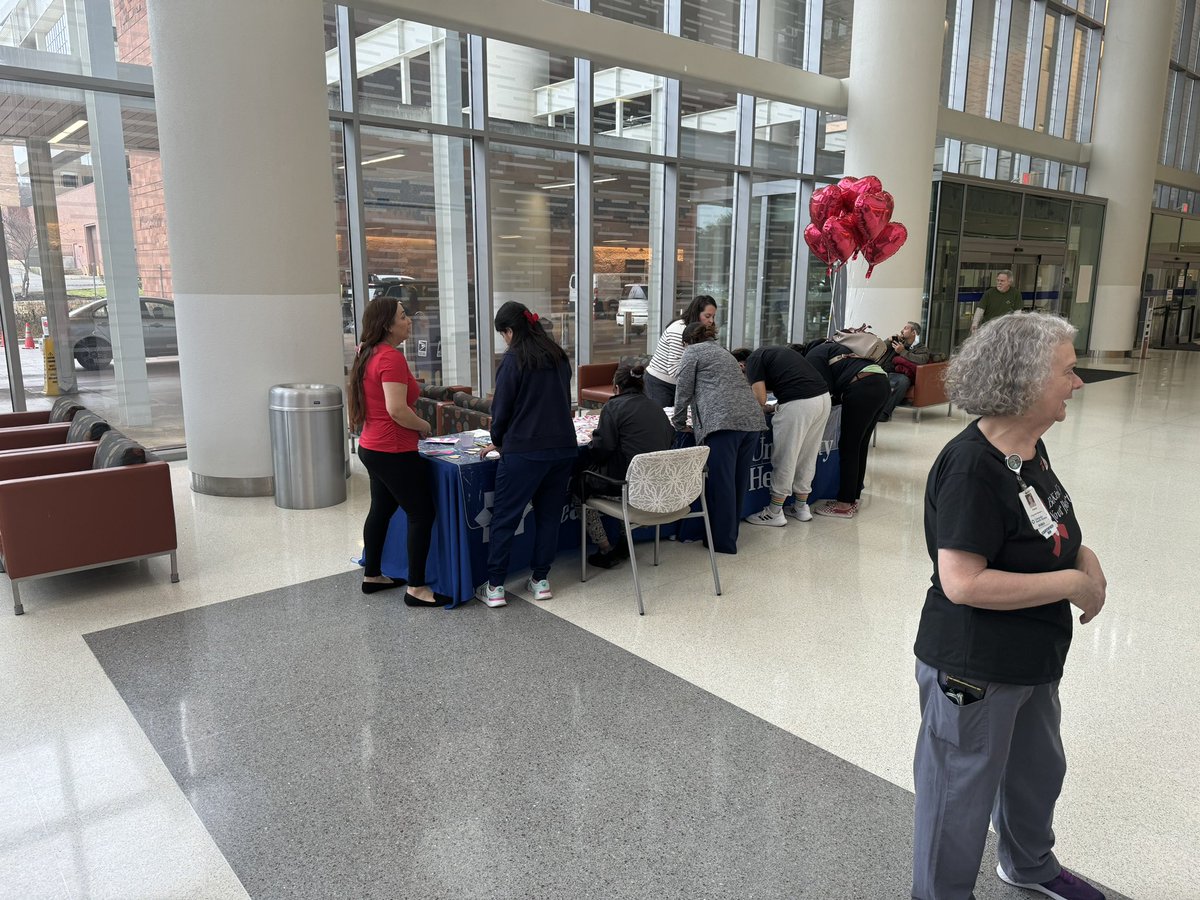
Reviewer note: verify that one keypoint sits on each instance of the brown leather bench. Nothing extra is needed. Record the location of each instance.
(928, 389)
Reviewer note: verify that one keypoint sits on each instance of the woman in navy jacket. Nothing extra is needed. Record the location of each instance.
(532, 429)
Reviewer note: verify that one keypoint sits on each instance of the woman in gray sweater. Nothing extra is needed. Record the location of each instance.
(727, 418)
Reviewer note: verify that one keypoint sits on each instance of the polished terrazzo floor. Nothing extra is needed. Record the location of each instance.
(88, 807)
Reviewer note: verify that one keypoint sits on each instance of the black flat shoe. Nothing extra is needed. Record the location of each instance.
(374, 587)
(609, 560)
(410, 600)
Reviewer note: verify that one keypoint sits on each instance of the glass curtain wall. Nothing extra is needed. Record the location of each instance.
(427, 147)
(1027, 63)
(416, 197)
(704, 242)
(533, 229)
(772, 242)
(91, 307)
(627, 257)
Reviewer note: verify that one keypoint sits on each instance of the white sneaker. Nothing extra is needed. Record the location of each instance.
(490, 596)
(767, 517)
(540, 589)
(799, 511)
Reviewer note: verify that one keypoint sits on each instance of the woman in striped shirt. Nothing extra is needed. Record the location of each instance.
(663, 368)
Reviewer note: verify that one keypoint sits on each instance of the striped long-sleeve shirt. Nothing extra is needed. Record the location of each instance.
(664, 364)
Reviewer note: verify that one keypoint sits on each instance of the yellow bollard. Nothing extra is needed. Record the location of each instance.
(51, 389)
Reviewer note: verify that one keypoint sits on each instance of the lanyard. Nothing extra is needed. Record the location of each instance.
(1039, 517)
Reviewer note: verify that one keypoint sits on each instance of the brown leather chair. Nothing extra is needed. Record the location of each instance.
(84, 426)
(928, 388)
(63, 410)
(80, 506)
(594, 384)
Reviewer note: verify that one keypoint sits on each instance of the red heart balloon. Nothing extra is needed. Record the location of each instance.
(872, 212)
(868, 184)
(849, 191)
(824, 203)
(839, 232)
(815, 238)
(853, 188)
(890, 239)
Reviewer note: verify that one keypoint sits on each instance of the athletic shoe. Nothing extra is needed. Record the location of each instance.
(540, 589)
(828, 509)
(1064, 886)
(767, 517)
(490, 596)
(798, 511)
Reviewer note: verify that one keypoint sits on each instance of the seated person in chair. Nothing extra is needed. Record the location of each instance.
(630, 423)
(902, 346)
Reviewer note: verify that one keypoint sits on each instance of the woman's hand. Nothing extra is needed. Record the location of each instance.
(490, 448)
(425, 428)
(1093, 587)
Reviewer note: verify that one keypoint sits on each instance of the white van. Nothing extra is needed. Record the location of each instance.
(606, 292)
(635, 303)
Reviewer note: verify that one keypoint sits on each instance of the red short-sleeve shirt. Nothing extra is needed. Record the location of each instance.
(380, 431)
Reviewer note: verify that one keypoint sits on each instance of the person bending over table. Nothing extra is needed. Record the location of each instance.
(802, 409)
(727, 418)
(383, 397)
(533, 430)
(861, 386)
(1008, 564)
(630, 423)
(663, 368)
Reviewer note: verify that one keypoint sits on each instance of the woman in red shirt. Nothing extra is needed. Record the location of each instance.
(383, 394)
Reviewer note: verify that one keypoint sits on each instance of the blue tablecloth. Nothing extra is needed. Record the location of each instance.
(463, 494)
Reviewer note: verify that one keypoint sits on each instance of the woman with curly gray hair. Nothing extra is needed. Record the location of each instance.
(1008, 564)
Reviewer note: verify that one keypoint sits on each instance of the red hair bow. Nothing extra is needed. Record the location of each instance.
(532, 317)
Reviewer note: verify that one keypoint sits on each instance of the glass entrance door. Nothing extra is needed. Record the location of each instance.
(1037, 277)
(1169, 299)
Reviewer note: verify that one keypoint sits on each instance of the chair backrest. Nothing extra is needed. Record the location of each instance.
(86, 426)
(666, 480)
(64, 409)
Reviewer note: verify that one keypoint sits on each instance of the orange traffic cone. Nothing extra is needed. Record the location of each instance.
(29, 344)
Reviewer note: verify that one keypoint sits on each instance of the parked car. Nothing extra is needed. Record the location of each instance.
(634, 302)
(91, 342)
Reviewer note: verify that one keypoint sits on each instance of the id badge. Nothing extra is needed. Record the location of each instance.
(1039, 516)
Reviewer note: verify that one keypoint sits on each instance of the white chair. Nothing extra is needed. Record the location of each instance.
(659, 488)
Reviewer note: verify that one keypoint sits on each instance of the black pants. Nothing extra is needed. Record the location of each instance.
(661, 392)
(899, 385)
(522, 480)
(398, 480)
(861, 404)
(730, 454)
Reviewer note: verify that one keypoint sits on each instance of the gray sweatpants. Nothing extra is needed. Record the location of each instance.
(1002, 756)
(797, 429)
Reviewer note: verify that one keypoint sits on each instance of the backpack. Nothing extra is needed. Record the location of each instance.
(863, 343)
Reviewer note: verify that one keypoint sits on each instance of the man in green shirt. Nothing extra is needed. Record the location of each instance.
(997, 301)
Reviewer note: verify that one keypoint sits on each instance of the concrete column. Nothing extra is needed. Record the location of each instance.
(895, 76)
(244, 129)
(1126, 137)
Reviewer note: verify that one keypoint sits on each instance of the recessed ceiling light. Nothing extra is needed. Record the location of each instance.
(68, 131)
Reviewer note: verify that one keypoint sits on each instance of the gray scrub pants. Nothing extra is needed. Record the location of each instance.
(1002, 756)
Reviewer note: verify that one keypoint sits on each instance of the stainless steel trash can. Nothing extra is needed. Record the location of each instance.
(308, 445)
